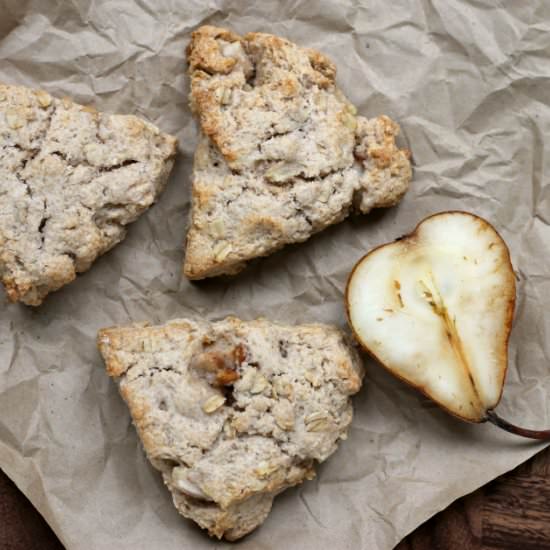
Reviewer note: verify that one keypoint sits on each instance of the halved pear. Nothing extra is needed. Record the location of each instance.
(435, 308)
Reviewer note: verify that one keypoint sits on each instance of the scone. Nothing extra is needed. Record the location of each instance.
(71, 179)
(281, 152)
(233, 412)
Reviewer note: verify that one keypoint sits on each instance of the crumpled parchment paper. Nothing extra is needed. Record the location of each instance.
(467, 81)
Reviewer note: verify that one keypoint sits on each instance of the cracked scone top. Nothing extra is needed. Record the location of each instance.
(233, 412)
(281, 152)
(71, 179)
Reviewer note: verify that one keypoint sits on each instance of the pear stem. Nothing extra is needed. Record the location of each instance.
(493, 417)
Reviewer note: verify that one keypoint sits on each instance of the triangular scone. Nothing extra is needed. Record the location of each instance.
(281, 152)
(234, 412)
(71, 179)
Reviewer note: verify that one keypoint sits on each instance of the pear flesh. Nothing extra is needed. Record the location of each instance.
(436, 309)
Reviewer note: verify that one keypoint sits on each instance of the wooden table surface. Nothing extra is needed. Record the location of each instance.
(512, 512)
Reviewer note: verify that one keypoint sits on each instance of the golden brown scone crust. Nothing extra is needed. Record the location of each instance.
(71, 179)
(281, 153)
(233, 412)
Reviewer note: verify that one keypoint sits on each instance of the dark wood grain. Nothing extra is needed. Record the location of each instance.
(511, 513)
(21, 526)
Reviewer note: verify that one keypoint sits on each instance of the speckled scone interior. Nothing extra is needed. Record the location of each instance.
(71, 179)
(233, 412)
(282, 153)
